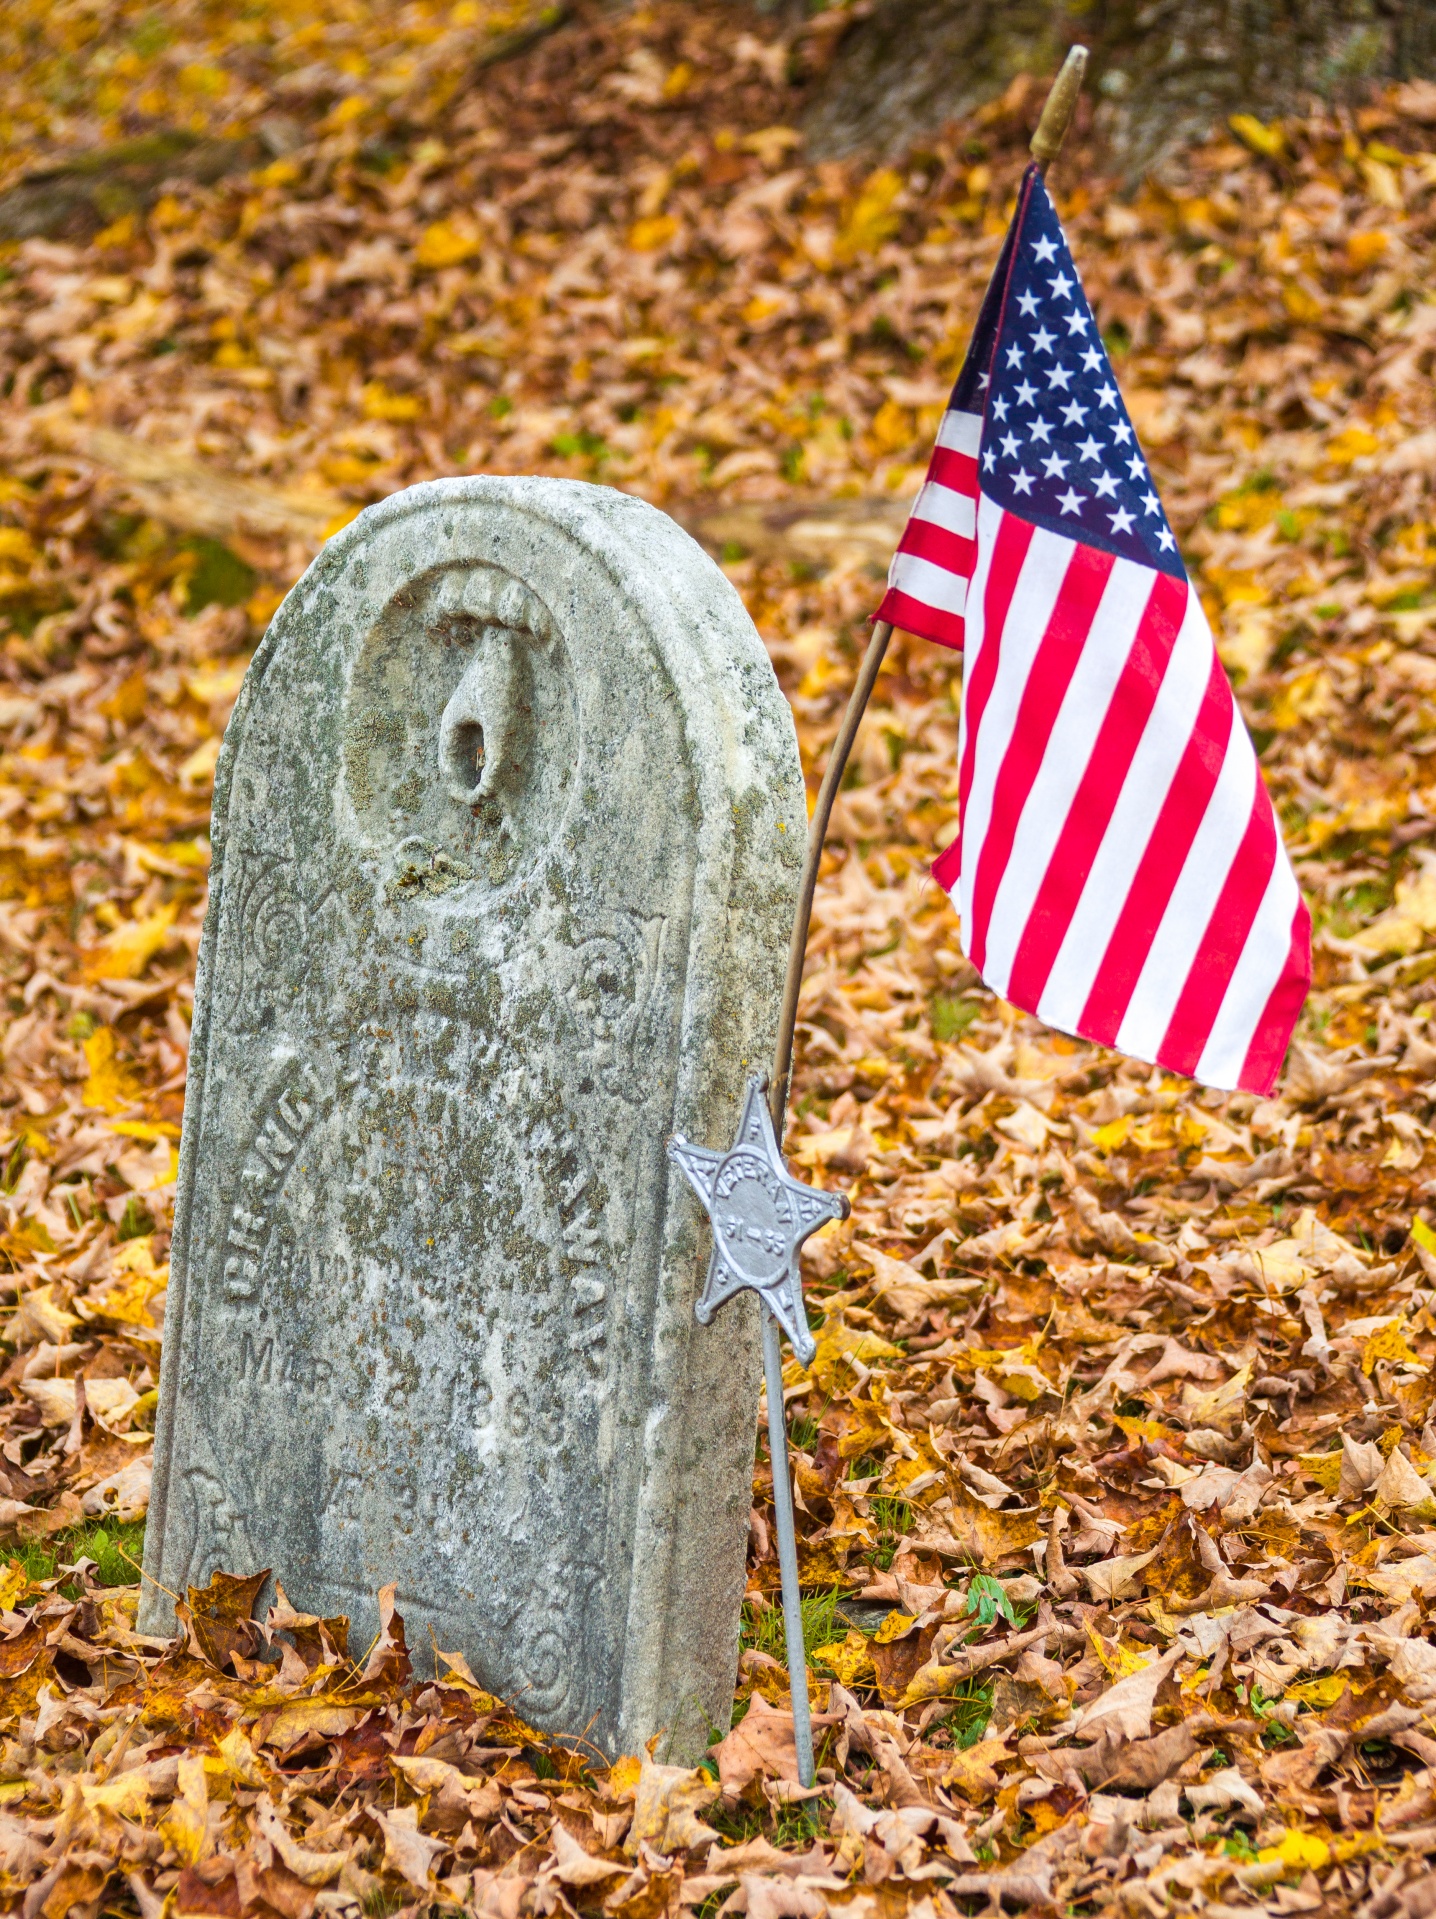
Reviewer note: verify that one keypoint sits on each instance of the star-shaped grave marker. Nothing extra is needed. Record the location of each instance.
(761, 1215)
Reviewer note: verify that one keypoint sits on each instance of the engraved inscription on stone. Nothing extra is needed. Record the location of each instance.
(507, 831)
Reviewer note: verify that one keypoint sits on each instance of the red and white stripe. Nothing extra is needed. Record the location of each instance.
(1119, 870)
(927, 581)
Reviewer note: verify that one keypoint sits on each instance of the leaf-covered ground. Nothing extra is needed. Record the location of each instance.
(1116, 1464)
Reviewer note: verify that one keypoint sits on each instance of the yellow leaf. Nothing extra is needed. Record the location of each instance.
(445, 245)
(972, 1771)
(1363, 248)
(623, 1777)
(1324, 1468)
(988, 1537)
(838, 1342)
(183, 1826)
(771, 143)
(110, 1087)
(1246, 644)
(39, 1316)
(347, 469)
(1302, 304)
(1306, 697)
(1423, 1235)
(216, 683)
(1382, 183)
(126, 1300)
(1387, 1342)
(893, 1627)
(849, 1660)
(324, 1717)
(1322, 1692)
(1109, 1137)
(996, 1359)
(1351, 444)
(873, 217)
(678, 81)
(899, 1474)
(125, 953)
(647, 236)
(16, 547)
(761, 307)
(126, 1797)
(1301, 1850)
(870, 1437)
(198, 769)
(1142, 1428)
(892, 427)
(1209, 1409)
(200, 77)
(241, 1761)
(1268, 141)
(380, 404)
(348, 110)
(14, 1584)
(1119, 1659)
(666, 1805)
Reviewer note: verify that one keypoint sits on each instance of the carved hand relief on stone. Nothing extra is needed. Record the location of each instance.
(507, 826)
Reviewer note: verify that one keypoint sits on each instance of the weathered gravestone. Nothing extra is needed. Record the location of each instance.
(507, 830)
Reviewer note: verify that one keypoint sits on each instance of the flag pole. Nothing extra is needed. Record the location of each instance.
(1046, 144)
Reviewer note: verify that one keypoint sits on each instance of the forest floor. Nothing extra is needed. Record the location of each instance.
(1116, 1463)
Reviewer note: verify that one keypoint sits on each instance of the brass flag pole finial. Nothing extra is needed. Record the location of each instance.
(1059, 109)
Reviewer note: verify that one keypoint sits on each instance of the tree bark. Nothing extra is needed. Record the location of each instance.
(1163, 72)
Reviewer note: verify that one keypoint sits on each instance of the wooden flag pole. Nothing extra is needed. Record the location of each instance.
(1046, 145)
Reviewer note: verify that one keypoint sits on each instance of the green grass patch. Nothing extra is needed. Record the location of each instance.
(893, 1519)
(763, 1629)
(116, 1548)
(971, 1710)
(215, 576)
(952, 1016)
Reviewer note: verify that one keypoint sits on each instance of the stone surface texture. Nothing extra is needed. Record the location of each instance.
(508, 824)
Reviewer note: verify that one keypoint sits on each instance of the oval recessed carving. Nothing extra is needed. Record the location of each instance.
(461, 735)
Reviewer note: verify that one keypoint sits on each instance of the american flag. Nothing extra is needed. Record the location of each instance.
(1118, 869)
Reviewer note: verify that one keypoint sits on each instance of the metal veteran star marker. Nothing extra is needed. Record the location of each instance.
(761, 1215)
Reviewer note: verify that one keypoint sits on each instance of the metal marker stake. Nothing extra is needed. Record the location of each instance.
(761, 1215)
(787, 1549)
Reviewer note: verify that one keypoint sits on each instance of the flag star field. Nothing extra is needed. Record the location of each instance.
(1059, 448)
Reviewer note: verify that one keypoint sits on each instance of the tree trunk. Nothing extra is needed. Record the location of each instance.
(1163, 71)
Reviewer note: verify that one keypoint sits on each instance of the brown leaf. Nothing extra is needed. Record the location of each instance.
(972, 1772)
(760, 1746)
(408, 1851)
(205, 1891)
(668, 1802)
(388, 1663)
(1124, 1710)
(218, 1617)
